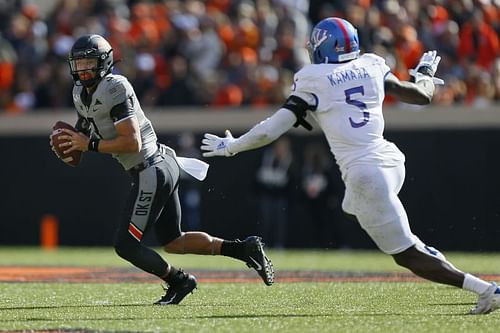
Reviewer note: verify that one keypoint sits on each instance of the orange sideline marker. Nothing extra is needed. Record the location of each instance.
(49, 232)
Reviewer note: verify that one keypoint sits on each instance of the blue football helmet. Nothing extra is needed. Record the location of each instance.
(333, 40)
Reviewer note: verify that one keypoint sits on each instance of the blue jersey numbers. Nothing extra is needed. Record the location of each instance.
(357, 103)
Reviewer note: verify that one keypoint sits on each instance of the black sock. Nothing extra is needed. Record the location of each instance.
(233, 249)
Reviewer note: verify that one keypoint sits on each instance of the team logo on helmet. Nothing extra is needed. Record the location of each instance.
(318, 36)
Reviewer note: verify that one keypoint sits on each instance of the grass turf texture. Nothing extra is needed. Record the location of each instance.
(243, 307)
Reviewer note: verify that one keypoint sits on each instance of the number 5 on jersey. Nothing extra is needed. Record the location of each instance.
(362, 106)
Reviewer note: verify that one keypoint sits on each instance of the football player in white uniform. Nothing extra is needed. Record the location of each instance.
(110, 120)
(344, 92)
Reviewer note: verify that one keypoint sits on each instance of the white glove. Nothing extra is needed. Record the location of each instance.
(216, 146)
(427, 65)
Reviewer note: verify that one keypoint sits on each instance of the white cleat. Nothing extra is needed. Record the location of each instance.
(488, 301)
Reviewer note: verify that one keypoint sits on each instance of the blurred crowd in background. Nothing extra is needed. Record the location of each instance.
(218, 53)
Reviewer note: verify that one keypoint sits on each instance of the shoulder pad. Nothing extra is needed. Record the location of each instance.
(77, 90)
(304, 79)
(117, 88)
(307, 72)
(372, 58)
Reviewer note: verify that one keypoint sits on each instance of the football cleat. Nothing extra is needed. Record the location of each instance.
(257, 259)
(488, 301)
(176, 292)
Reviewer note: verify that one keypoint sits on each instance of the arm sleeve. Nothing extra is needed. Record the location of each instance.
(122, 110)
(264, 132)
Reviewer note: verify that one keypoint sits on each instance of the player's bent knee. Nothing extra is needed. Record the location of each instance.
(401, 259)
(408, 258)
(126, 248)
(429, 251)
(121, 252)
(413, 257)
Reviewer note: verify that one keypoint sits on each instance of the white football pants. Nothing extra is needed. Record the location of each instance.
(372, 196)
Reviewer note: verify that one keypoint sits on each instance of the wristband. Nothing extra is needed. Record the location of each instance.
(93, 144)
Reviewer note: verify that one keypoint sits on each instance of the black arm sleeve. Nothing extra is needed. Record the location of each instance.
(299, 107)
(122, 110)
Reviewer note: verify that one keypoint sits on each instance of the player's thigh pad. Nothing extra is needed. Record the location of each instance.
(371, 195)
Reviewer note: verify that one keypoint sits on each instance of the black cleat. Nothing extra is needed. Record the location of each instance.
(175, 293)
(256, 259)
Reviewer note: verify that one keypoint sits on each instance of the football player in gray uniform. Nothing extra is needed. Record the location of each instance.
(110, 120)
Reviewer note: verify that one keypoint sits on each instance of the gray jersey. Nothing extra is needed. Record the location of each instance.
(111, 91)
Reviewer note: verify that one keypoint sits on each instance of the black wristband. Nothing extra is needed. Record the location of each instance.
(93, 144)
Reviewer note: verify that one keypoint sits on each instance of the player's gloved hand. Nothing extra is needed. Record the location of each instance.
(217, 146)
(427, 66)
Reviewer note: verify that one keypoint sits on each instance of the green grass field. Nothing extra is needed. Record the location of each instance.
(242, 307)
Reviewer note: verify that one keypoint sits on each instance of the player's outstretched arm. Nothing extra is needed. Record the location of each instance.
(260, 135)
(408, 92)
(422, 90)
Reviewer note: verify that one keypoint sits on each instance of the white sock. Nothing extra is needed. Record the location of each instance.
(475, 284)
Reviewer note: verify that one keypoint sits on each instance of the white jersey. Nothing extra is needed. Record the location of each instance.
(348, 99)
(113, 90)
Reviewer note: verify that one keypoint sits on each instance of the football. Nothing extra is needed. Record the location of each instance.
(72, 158)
